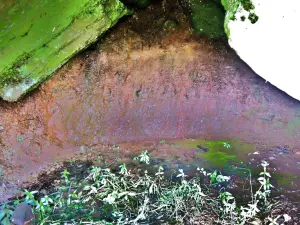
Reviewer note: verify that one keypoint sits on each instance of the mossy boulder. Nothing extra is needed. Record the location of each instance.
(207, 18)
(37, 37)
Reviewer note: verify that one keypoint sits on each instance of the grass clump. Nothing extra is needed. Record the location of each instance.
(108, 196)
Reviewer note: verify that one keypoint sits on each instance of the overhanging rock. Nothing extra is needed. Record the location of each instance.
(37, 37)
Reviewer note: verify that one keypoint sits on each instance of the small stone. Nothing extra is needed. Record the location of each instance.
(276, 211)
(272, 158)
(22, 214)
(83, 149)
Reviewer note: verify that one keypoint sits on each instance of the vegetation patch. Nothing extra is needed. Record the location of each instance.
(122, 196)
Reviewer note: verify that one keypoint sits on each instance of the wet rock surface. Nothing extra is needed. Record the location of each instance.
(143, 83)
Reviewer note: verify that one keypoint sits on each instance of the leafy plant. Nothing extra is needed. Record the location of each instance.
(20, 138)
(124, 197)
(226, 145)
(143, 157)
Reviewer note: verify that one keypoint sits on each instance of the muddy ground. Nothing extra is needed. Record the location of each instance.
(142, 83)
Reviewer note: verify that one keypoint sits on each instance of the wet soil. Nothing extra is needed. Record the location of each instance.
(134, 90)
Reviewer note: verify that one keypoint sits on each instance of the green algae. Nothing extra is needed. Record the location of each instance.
(284, 178)
(218, 155)
(37, 37)
(232, 161)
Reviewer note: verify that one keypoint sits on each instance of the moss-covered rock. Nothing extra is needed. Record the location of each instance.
(230, 6)
(37, 37)
(207, 18)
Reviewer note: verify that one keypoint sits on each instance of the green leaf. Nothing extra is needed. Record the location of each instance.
(5, 221)
(2, 214)
(163, 141)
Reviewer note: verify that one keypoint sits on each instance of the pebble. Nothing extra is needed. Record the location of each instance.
(276, 211)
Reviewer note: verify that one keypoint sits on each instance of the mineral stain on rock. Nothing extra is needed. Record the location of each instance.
(37, 37)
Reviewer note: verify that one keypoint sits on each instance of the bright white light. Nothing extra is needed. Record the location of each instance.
(271, 46)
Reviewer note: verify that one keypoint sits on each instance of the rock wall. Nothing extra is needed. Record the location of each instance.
(142, 82)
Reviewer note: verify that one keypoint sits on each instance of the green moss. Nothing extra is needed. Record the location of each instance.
(170, 25)
(207, 18)
(143, 3)
(253, 18)
(231, 7)
(37, 37)
(247, 5)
